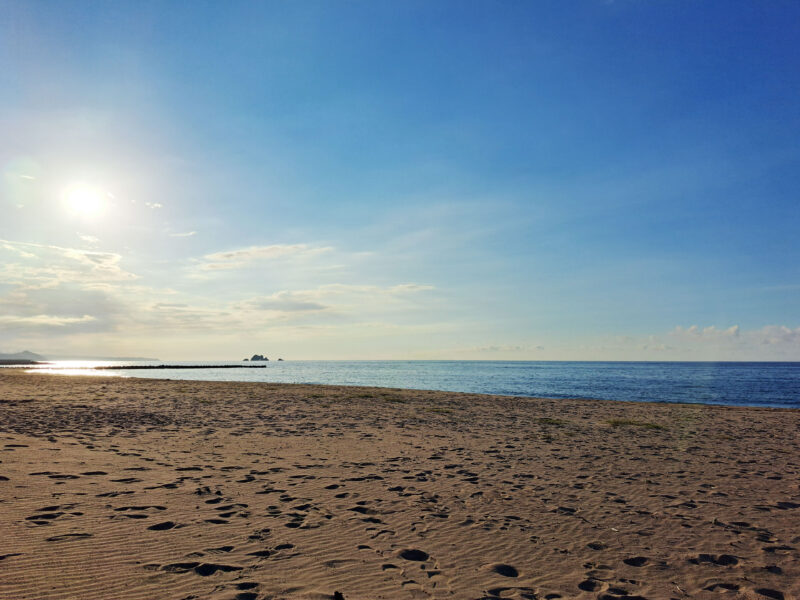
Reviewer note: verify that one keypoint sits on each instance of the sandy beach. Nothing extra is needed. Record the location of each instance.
(119, 488)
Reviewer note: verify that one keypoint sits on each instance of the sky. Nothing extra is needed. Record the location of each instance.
(584, 180)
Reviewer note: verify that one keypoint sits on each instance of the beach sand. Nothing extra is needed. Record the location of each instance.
(120, 488)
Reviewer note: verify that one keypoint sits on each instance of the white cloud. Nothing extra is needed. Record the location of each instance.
(43, 320)
(344, 289)
(89, 239)
(771, 342)
(284, 302)
(778, 335)
(409, 288)
(183, 234)
(50, 265)
(15, 248)
(337, 299)
(154, 205)
(236, 259)
(506, 349)
(710, 333)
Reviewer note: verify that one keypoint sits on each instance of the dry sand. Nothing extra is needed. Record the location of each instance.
(133, 488)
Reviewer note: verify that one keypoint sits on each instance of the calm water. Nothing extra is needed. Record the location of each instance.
(751, 384)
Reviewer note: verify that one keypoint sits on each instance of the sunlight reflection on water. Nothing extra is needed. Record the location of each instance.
(77, 367)
(742, 384)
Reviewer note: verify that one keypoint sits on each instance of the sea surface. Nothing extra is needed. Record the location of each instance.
(730, 383)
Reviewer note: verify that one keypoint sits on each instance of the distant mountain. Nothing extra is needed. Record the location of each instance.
(118, 358)
(25, 355)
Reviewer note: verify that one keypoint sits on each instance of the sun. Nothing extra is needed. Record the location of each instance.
(84, 199)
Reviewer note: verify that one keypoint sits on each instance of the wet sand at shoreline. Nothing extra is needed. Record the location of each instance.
(141, 488)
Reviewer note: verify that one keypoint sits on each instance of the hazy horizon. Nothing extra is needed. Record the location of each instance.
(594, 180)
(224, 360)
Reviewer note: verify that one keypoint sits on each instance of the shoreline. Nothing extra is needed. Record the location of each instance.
(396, 389)
(20, 362)
(142, 488)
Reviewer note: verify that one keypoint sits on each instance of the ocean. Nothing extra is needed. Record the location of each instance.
(729, 383)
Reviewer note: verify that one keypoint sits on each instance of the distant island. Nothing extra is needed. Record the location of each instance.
(257, 357)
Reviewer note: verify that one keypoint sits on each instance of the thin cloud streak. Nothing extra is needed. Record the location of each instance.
(43, 320)
(236, 259)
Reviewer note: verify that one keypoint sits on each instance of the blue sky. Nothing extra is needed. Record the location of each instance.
(478, 180)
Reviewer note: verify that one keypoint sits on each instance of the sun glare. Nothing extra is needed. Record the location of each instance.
(84, 199)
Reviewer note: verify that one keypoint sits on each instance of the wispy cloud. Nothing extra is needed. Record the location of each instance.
(16, 248)
(49, 264)
(43, 320)
(89, 239)
(236, 259)
(771, 342)
(778, 335)
(507, 349)
(710, 333)
(183, 234)
(337, 298)
(284, 302)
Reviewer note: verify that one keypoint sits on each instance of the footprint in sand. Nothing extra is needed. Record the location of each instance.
(590, 585)
(69, 537)
(596, 546)
(722, 560)
(44, 518)
(726, 587)
(162, 526)
(202, 569)
(770, 593)
(413, 554)
(246, 585)
(180, 567)
(523, 592)
(504, 570)
(206, 569)
(778, 549)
